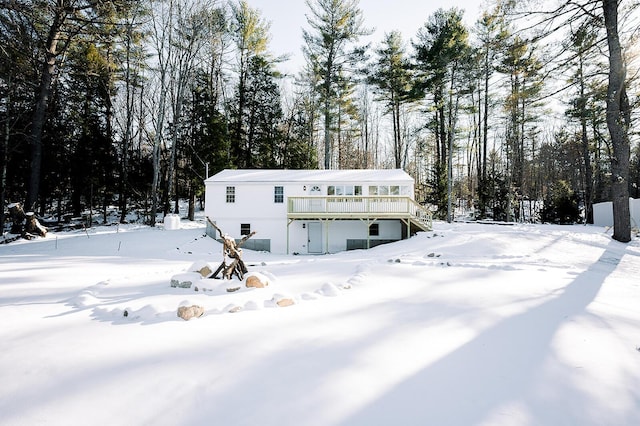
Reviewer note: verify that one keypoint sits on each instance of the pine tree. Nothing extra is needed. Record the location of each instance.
(392, 79)
(442, 51)
(335, 24)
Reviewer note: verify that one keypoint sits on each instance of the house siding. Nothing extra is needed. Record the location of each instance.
(254, 204)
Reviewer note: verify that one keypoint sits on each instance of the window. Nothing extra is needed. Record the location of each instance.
(231, 194)
(389, 190)
(315, 189)
(344, 190)
(278, 194)
(245, 228)
(374, 229)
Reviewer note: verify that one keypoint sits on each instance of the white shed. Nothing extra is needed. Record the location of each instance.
(603, 213)
(314, 211)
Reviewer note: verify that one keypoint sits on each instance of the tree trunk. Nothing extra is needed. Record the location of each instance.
(5, 157)
(618, 119)
(128, 130)
(586, 152)
(327, 136)
(191, 214)
(327, 112)
(40, 111)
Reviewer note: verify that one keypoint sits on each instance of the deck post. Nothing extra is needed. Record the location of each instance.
(288, 223)
(326, 236)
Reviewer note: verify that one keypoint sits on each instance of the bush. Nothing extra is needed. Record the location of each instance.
(561, 205)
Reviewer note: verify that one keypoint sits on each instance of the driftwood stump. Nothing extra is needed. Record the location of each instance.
(16, 213)
(26, 225)
(232, 251)
(33, 226)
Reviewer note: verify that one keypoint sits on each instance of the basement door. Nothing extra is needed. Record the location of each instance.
(314, 243)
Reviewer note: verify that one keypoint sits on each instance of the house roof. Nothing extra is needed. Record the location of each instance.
(309, 176)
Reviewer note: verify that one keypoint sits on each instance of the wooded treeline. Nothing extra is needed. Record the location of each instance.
(522, 116)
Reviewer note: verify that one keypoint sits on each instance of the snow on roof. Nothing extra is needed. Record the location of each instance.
(306, 176)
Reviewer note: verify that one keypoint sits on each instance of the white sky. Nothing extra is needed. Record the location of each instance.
(287, 19)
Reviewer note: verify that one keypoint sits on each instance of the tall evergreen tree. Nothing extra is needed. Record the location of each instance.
(392, 77)
(251, 37)
(263, 115)
(491, 31)
(18, 54)
(335, 25)
(581, 45)
(442, 50)
(57, 23)
(522, 68)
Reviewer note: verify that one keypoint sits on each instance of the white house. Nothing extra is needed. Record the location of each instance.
(314, 211)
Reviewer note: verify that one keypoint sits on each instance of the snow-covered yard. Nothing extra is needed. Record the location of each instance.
(469, 324)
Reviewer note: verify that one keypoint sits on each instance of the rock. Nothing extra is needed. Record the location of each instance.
(188, 312)
(285, 302)
(255, 282)
(205, 271)
(204, 268)
(185, 280)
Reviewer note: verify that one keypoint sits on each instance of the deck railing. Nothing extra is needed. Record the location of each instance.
(352, 207)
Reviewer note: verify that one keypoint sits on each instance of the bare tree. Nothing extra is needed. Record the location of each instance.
(191, 25)
(161, 39)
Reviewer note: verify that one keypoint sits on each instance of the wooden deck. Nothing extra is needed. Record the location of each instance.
(360, 207)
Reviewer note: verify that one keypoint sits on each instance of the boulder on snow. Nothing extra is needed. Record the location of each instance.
(205, 271)
(256, 281)
(188, 312)
(203, 268)
(234, 309)
(282, 300)
(185, 280)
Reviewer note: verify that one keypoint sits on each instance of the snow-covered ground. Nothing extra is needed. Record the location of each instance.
(470, 324)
